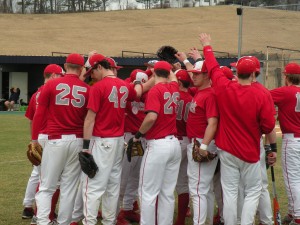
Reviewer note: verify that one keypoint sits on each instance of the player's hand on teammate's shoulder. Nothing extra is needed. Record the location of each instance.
(204, 39)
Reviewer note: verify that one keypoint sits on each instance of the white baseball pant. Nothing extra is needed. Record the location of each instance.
(158, 177)
(31, 187)
(290, 160)
(108, 154)
(59, 161)
(200, 178)
(234, 171)
(182, 185)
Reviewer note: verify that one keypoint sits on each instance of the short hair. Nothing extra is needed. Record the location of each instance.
(185, 83)
(162, 73)
(73, 66)
(244, 76)
(293, 78)
(104, 63)
(47, 75)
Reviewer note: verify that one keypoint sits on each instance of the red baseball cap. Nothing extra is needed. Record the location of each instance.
(138, 75)
(76, 59)
(199, 67)
(227, 72)
(162, 65)
(253, 58)
(182, 75)
(245, 66)
(292, 68)
(113, 63)
(92, 61)
(54, 68)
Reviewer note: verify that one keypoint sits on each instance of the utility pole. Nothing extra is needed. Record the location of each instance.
(239, 12)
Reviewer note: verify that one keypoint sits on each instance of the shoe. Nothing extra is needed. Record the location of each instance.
(74, 223)
(27, 213)
(188, 212)
(33, 220)
(136, 207)
(131, 216)
(287, 220)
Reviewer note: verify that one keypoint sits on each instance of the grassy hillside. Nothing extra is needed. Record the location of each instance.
(146, 30)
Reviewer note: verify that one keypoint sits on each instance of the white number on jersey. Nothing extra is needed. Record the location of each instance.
(168, 108)
(180, 109)
(297, 108)
(79, 99)
(113, 96)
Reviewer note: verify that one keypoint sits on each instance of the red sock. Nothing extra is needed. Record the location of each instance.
(53, 204)
(183, 203)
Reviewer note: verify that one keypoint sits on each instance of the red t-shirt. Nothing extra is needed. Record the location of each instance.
(288, 101)
(108, 99)
(162, 99)
(245, 113)
(203, 107)
(182, 112)
(62, 103)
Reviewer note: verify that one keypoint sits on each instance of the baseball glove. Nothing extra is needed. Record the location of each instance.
(134, 149)
(167, 53)
(88, 164)
(34, 153)
(200, 158)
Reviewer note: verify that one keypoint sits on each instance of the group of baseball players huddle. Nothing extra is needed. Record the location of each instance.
(166, 108)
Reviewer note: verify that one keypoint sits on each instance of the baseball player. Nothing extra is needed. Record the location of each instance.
(264, 207)
(77, 213)
(161, 160)
(131, 170)
(104, 139)
(239, 133)
(182, 187)
(287, 99)
(63, 103)
(51, 71)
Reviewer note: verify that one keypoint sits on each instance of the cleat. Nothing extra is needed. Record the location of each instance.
(33, 220)
(27, 213)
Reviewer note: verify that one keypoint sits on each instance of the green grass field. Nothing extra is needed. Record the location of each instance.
(15, 169)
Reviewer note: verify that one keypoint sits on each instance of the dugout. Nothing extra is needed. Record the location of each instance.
(26, 72)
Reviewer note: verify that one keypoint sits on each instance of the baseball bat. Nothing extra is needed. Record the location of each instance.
(277, 216)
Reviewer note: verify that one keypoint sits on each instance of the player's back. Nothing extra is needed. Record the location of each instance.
(108, 99)
(182, 112)
(162, 99)
(288, 101)
(245, 113)
(67, 101)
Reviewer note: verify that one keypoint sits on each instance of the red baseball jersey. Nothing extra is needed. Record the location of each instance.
(62, 102)
(162, 99)
(203, 107)
(288, 101)
(134, 116)
(108, 99)
(182, 112)
(245, 113)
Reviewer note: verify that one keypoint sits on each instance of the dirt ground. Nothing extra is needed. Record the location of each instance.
(146, 30)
